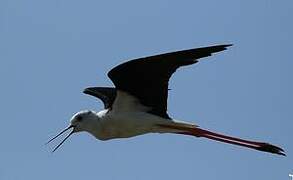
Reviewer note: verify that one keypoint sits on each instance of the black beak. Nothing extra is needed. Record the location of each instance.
(71, 126)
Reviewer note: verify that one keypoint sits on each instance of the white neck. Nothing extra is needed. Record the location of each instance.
(94, 126)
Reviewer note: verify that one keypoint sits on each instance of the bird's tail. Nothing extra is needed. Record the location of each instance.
(198, 132)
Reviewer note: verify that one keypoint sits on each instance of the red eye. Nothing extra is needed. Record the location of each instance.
(79, 118)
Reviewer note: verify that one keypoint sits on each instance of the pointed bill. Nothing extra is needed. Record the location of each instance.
(63, 131)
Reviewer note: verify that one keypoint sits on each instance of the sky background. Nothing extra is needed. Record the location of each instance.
(51, 50)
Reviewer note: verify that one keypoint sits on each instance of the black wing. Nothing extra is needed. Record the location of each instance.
(147, 78)
(106, 94)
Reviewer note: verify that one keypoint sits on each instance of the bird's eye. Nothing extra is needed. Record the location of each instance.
(79, 118)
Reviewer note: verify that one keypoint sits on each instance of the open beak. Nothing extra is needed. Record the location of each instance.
(71, 126)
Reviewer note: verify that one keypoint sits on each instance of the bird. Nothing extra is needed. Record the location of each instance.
(137, 104)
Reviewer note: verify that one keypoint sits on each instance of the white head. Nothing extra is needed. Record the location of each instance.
(81, 121)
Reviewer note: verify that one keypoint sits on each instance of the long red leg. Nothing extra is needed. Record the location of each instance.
(198, 132)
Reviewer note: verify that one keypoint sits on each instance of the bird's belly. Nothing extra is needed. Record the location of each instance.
(124, 125)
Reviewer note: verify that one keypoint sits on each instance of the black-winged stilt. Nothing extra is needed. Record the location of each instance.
(138, 103)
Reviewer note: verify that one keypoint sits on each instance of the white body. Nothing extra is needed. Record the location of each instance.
(127, 118)
(129, 124)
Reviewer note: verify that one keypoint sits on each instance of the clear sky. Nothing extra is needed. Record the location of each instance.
(51, 50)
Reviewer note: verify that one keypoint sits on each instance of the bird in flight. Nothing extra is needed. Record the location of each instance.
(138, 103)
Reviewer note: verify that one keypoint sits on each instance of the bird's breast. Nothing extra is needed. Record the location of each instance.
(124, 125)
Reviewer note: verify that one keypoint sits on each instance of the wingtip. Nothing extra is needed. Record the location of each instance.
(225, 46)
(88, 90)
(85, 91)
(217, 48)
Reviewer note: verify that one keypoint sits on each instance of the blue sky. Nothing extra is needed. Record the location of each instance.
(51, 50)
